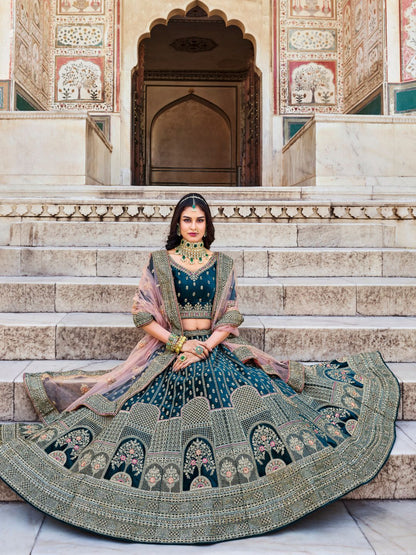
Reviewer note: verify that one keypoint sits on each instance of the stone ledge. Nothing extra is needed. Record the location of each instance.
(314, 296)
(249, 261)
(111, 335)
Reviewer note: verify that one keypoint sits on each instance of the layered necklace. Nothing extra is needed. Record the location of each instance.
(192, 252)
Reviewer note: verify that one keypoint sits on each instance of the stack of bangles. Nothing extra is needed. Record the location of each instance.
(175, 343)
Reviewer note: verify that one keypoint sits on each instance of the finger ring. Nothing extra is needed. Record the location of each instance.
(182, 357)
(199, 350)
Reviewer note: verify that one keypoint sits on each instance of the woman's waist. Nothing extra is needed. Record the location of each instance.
(197, 333)
(196, 324)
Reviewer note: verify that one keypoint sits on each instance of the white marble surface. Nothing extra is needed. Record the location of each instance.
(344, 528)
(361, 151)
(80, 153)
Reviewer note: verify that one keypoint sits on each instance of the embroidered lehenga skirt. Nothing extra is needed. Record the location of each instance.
(217, 451)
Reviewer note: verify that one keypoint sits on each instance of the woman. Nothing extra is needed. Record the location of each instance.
(198, 436)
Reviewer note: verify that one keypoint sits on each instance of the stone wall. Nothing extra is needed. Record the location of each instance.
(362, 50)
(32, 52)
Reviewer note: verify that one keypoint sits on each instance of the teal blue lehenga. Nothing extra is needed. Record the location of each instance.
(222, 449)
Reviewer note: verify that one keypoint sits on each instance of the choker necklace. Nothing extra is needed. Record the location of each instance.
(193, 252)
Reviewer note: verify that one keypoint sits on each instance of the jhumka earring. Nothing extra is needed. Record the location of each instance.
(178, 231)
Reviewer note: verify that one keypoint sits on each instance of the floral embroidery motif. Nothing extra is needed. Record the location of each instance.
(265, 440)
(121, 478)
(29, 429)
(170, 477)
(334, 414)
(200, 482)
(198, 456)
(99, 463)
(129, 454)
(309, 440)
(85, 460)
(153, 476)
(228, 471)
(59, 457)
(274, 465)
(74, 442)
(350, 425)
(46, 436)
(245, 467)
(296, 444)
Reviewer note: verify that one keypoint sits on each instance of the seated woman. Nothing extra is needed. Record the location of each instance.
(198, 436)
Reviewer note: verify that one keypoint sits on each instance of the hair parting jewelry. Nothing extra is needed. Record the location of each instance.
(194, 197)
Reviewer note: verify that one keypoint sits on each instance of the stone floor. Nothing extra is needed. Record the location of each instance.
(344, 528)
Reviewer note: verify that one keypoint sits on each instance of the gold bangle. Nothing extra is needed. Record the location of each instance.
(179, 344)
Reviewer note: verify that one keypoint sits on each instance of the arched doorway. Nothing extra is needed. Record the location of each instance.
(196, 105)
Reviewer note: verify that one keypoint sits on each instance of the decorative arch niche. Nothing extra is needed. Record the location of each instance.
(196, 103)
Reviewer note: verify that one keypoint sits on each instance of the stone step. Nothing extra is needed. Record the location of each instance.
(159, 193)
(44, 336)
(250, 233)
(259, 296)
(15, 404)
(397, 479)
(249, 262)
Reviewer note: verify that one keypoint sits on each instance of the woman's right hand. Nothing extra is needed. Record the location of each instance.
(196, 347)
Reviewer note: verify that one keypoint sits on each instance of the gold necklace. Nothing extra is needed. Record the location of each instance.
(193, 252)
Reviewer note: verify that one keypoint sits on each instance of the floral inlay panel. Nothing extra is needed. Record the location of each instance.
(308, 76)
(312, 83)
(79, 79)
(79, 35)
(362, 50)
(312, 8)
(84, 59)
(408, 37)
(32, 48)
(309, 40)
(85, 7)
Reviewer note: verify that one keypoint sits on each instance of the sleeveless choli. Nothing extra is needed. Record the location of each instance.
(216, 451)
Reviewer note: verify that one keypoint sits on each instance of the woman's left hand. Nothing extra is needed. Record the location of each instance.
(183, 360)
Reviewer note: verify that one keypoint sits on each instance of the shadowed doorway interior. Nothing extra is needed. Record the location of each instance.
(196, 105)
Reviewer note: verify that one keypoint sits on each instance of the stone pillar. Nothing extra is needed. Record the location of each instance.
(6, 38)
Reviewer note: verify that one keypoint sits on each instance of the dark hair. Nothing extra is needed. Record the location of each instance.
(191, 199)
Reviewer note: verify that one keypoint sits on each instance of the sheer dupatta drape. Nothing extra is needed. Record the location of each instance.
(69, 391)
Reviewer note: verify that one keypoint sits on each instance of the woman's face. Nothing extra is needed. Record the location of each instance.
(192, 224)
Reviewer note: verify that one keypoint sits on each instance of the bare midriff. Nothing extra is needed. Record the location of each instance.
(192, 324)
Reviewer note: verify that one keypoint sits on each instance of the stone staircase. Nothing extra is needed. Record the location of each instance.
(317, 280)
